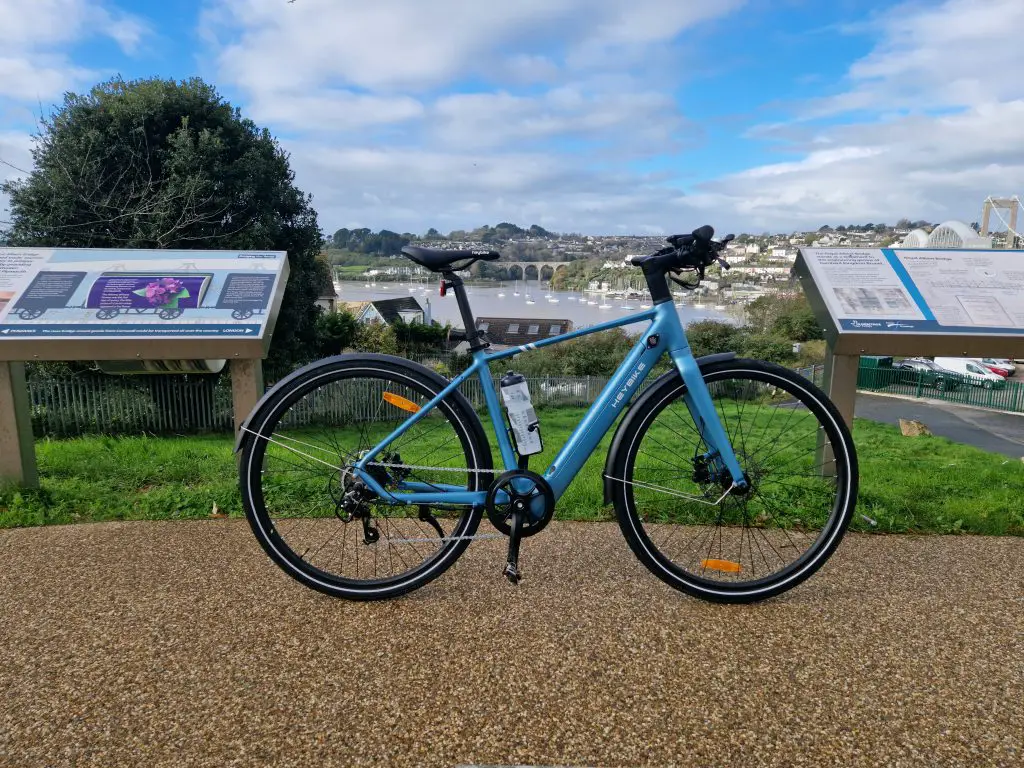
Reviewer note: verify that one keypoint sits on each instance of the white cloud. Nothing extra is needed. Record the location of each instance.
(27, 78)
(34, 37)
(15, 159)
(956, 54)
(919, 166)
(476, 120)
(333, 110)
(411, 189)
(402, 44)
(944, 92)
(567, 94)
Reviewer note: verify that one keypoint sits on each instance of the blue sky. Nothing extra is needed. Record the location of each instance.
(599, 116)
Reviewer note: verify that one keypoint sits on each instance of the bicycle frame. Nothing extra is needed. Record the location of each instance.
(664, 335)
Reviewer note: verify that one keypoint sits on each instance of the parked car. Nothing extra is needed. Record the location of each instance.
(916, 370)
(973, 371)
(999, 365)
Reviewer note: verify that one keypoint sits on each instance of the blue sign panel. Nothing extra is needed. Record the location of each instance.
(108, 293)
(910, 291)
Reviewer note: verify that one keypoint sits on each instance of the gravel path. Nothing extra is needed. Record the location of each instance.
(180, 644)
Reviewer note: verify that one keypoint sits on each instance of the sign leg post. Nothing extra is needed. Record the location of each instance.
(246, 388)
(840, 382)
(17, 447)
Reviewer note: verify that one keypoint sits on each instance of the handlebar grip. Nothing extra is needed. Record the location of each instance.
(704, 233)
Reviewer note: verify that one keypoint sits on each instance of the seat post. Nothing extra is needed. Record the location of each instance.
(477, 340)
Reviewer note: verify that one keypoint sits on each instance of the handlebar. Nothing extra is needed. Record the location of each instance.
(695, 252)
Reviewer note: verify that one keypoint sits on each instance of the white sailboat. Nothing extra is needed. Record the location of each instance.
(515, 289)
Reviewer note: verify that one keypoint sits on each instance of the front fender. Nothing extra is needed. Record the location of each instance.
(702, 362)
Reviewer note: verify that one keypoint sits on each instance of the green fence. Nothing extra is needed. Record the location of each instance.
(902, 381)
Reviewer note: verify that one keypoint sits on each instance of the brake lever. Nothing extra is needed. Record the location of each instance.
(689, 286)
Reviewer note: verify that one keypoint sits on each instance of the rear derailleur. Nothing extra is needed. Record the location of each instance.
(519, 503)
(354, 500)
(354, 503)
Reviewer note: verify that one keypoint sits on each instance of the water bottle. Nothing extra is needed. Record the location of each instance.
(521, 416)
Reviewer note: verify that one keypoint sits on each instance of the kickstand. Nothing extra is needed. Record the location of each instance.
(512, 572)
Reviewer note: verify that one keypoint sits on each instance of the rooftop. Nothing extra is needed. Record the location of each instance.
(514, 331)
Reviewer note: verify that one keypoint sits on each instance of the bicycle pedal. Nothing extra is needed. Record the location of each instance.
(512, 573)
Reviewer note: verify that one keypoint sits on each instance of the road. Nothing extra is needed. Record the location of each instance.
(990, 430)
(180, 644)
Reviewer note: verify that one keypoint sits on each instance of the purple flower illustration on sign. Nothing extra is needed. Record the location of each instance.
(164, 292)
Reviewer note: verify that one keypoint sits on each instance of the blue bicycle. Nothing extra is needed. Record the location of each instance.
(366, 476)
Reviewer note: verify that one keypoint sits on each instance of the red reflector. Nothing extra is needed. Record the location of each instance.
(444, 288)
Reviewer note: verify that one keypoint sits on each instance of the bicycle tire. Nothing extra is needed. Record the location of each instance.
(272, 409)
(668, 389)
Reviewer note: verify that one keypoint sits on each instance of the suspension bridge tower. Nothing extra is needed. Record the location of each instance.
(997, 205)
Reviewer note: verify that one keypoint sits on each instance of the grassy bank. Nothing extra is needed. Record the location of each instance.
(925, 485)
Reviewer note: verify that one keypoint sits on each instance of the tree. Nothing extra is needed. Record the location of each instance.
(335, 332)
(770, 348)
(165, 164)
(419, 337)
(708, 337)
(376, 337)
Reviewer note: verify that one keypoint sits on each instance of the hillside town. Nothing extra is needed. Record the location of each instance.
(759, 264)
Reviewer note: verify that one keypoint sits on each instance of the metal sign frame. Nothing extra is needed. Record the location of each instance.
(896, 341)
(170, 347)
(245, 352)
(848, 338)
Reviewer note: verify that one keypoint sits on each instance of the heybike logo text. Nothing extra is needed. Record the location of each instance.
(623, 393)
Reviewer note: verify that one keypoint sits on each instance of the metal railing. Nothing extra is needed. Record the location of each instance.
(114, 405)
(1003, 396)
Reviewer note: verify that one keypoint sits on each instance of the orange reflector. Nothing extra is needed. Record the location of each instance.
(726, 566)
(400, 402)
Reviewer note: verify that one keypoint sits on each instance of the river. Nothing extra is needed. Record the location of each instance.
(582, 308)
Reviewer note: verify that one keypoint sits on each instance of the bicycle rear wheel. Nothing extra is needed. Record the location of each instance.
(675, 513)
(296, 472)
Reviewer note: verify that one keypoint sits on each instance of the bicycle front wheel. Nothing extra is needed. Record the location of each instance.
(674, 507)
(307, 507)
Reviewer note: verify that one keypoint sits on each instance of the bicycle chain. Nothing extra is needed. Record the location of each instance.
(421, 467)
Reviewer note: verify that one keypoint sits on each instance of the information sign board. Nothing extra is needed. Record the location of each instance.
(116, 304)
(915, 301)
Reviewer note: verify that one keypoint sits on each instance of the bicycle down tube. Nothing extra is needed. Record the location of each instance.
(665, 335)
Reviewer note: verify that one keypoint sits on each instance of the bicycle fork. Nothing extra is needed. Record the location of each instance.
(720, 461)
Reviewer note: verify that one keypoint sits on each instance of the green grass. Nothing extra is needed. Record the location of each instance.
(922, 485)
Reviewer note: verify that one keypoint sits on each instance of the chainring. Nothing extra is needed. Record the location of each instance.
(532, 492)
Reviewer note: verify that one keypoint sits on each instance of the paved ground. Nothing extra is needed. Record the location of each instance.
(152, 644)
(990, 430)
